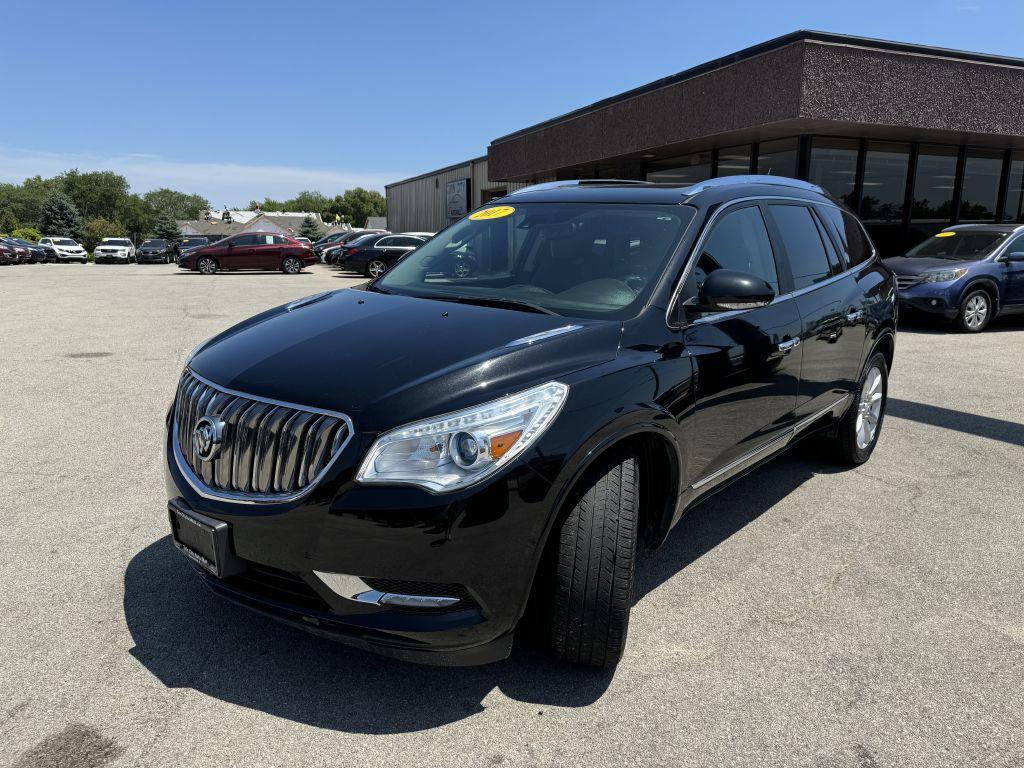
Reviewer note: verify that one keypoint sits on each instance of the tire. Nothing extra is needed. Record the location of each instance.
(975, 312)
(375, 268)
(593, 570)
(853, 441)
(291, 265)
(207, 265)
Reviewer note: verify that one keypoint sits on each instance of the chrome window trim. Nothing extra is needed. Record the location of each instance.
(713, 221)
(253, 498)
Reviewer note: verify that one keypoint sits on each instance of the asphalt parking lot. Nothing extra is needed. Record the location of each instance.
(806, 616)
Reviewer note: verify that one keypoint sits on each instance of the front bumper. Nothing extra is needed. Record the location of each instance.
(110, 258)
(152, 257)
(937, 299)
(485, 541)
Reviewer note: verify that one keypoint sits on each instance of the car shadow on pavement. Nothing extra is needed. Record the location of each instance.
(709, 523)
(188, 637)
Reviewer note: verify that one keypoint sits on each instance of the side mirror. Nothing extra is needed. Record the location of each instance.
(725, 290)
(1015, 256)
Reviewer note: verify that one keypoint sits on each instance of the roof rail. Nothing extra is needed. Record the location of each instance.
(778, 181)
(574, 183)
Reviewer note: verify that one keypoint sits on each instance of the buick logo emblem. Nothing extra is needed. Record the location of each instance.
(206, 438)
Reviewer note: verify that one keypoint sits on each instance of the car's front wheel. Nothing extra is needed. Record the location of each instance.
(291, 266)
(207, 265)
(975, 312)
(594, 562)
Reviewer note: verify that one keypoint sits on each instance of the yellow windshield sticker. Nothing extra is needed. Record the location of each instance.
(945, 234)
(498, 212)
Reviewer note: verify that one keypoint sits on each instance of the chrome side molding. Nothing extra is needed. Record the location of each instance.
(772, 446)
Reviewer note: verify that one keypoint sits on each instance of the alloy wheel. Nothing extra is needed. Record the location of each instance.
(376, 268)
(207, 266)
(869, 410)
(292, 266)
(976, 311)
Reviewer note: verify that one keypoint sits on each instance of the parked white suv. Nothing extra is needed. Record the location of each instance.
(120, 250)
(66, 249)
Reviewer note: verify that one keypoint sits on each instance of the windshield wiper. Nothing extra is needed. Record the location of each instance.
(494, 301)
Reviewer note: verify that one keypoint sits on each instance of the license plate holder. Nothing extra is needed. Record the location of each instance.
(203, 540)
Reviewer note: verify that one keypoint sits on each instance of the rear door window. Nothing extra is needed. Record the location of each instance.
(852, 237)
(801, 239)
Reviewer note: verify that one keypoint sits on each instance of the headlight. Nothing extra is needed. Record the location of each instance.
(462, 448)
(944, 275)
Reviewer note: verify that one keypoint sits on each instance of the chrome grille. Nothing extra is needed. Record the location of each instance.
(907, 281)
(269, 451)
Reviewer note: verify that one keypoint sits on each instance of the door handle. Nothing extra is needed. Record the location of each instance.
(854, 315)
(785, 347)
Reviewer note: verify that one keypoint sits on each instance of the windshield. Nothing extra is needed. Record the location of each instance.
(188, 241)
(116, 242)
(155, 243)
(64, 241)
(958, 245)
(575, 259)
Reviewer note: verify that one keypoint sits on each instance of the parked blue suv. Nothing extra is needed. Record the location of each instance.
(968, 274)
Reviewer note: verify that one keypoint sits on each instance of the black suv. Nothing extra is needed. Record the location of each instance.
(154, 250)
(408, 466)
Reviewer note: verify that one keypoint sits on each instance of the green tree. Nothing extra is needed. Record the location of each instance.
(97, 194)
(309, 228)
(167, 228)
(27, 233)
(177, 205)
(357, 205)
(137, 216)
(96, 229)
(8, 220)
(309, 201)
(59, 216)
(26, 200)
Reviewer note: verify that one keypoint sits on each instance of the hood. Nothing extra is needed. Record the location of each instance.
(909, 265)
(386, 360)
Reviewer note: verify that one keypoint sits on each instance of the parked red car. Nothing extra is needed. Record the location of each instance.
(250, 250)
(7, 254)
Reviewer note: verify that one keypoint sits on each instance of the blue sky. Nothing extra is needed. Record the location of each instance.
(241, 100)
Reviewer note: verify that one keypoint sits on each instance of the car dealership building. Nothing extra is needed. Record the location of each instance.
(912, 138)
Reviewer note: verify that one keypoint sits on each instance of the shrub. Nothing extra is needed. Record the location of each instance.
(98, 228)
(27, 233)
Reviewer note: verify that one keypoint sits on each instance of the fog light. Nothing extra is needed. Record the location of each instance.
(934, 302)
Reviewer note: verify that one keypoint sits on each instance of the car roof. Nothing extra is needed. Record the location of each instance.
(985, 227)
(640, 192)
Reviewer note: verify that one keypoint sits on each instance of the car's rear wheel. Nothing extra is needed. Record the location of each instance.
(207, 265)
(594, 562)
(856, 435)
(375, 268)
(291, 265)
(975, 312)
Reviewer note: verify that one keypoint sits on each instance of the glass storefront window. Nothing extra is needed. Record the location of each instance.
(687, 169)
(778, 158)
(1014, 210)
(885, 182)
(734, 161)
(932, 206)
(833, 167)
(982, 170)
